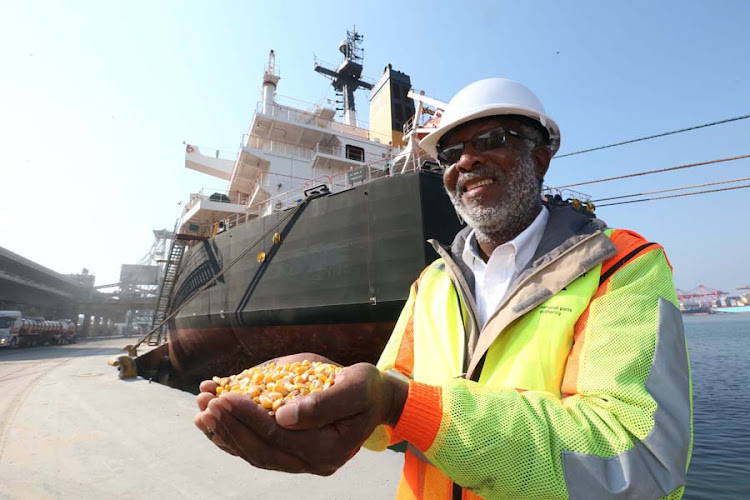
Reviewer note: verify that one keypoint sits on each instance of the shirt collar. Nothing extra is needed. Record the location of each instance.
(522, 246)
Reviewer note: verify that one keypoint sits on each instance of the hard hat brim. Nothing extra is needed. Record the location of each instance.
(430, 142)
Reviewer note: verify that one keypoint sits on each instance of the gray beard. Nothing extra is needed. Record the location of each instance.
(501, 223)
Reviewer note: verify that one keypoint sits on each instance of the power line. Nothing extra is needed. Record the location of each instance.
(672, 189)
(737, 118)
(647, 172)
(676, 195)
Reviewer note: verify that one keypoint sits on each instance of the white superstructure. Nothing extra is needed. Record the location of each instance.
(286, 151)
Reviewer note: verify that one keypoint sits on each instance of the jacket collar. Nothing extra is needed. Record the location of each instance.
(566, 229)
(564, 223)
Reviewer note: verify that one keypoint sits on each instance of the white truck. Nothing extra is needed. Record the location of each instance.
(10, 323)
(17, 331)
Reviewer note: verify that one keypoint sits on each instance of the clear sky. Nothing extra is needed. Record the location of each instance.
(96, 99)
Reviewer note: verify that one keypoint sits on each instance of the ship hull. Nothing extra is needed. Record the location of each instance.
(334, 284)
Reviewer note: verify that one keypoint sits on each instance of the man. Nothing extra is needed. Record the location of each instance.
(542, 356)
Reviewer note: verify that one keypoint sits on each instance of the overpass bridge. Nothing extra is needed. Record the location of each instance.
(39, 291)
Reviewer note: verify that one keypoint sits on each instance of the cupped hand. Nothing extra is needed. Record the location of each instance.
(317, 433)
(205, 421)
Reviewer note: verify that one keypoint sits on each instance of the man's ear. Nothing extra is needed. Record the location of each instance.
(542, 156)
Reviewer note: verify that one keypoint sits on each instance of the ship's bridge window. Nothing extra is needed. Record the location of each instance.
(355, 153)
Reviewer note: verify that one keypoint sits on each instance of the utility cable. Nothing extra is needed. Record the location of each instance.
(647, 172)
(672, 189)
(737, 118)
(676, 195)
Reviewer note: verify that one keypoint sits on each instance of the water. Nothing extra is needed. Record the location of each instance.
(719, 347)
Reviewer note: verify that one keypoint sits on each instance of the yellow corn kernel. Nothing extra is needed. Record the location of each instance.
(274, 396)
(265, 401)
(273, 385)
(283, 389)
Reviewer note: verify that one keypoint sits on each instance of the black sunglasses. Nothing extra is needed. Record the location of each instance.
(483, 141)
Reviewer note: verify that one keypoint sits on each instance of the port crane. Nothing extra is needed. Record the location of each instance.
(701, 295)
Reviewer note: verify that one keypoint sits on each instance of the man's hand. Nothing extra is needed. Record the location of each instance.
(206, 420)
(317, 433)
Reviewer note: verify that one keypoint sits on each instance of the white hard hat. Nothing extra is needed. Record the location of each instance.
(491, 97)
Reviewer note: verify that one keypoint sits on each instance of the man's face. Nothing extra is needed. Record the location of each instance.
(495, 190)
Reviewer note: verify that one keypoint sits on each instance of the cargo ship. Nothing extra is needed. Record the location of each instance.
(316, 241)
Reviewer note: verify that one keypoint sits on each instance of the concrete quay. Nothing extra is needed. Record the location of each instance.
(70, 428)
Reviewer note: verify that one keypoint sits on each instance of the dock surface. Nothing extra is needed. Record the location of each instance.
(70, 428)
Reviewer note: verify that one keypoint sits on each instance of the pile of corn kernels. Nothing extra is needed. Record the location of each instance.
(272, 385)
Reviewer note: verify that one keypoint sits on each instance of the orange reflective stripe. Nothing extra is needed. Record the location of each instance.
(437, 486)
(630, 245)
(470, 495)
(569, 384)
(422, 481)
(405, 358)
(409, 487)
(625, 242)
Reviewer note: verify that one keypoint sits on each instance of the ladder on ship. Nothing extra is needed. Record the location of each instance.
(163, 300)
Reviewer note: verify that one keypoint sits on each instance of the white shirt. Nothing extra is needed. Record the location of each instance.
(492, 279)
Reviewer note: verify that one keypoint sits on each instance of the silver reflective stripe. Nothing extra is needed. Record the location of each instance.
(532, 301)
(654, 467)
(417, 453)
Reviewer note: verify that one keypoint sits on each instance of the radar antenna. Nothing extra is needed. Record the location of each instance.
(347, 78)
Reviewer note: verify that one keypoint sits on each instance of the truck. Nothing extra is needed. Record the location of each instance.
(18, 331)
(9, 328)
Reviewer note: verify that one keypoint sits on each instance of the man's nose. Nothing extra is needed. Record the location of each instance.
(470, 159)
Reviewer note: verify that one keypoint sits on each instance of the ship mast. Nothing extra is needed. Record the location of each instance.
(346, 79)
(270, 80)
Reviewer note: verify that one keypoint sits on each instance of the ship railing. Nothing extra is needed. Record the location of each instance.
(351, 154)
(289, 114)
(277, 147)
(408, 125)
(219, 154)
(566, 194)
(335, 183)
(273, 179)
(219, 195)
